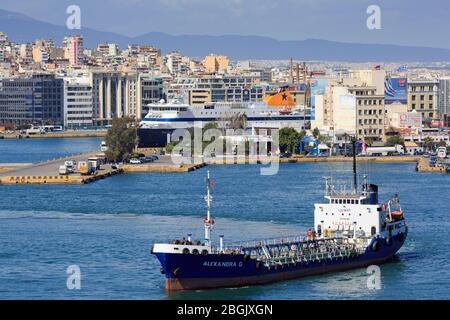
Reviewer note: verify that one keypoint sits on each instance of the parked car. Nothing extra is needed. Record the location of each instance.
(149, 159)
(286, 155)
(103, 147)
(135, 161)
(114, 166)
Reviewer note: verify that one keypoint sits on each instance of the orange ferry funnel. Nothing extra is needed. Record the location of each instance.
(280, 99)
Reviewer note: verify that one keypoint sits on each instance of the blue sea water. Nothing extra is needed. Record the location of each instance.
(107, 228)
(37, 150)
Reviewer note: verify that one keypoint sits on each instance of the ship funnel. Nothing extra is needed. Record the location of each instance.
(373, 193)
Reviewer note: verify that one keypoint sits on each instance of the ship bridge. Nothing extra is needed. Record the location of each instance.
(349, 213)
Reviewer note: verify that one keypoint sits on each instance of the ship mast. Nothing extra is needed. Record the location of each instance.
(355, 186)
(207, 221)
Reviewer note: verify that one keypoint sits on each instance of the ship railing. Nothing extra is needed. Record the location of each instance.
(310, 257)
(325, 244)
(273, 242)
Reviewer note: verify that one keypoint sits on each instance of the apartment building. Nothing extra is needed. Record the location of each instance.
(215, 63)
(423, 97)
(151, 91)
(74, 46)
(370, 117)
(355, 110)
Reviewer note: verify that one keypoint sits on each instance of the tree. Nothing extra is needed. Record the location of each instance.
(370, 140)
(442, 143)
(316, 133)
(324, 138)
(289, 139)
(392, 141)
(121, 139)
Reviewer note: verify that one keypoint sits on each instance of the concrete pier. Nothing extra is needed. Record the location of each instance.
(47, 172)
(423, 165)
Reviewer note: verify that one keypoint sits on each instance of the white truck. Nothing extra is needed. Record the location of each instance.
(34, 130)
(63, 171)
(385, 151)
(70, 165)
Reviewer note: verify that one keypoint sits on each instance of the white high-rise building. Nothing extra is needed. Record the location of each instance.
(444, 97)
(78, 107)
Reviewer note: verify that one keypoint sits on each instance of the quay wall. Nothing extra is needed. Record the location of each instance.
(88, 134)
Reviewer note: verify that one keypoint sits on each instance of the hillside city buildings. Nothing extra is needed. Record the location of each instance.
(78, 87)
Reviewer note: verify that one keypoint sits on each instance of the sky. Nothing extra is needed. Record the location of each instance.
(404, 22)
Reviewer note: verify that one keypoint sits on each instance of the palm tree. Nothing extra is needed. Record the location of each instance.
(428, 143)
(345, 136)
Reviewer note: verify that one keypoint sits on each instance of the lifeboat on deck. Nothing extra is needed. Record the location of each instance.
(285, 111)
(396, 215)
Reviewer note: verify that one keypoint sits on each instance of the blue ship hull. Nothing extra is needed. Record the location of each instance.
(191, 272)
(153, 138)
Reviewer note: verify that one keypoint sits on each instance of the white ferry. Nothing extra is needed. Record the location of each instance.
(164, 118)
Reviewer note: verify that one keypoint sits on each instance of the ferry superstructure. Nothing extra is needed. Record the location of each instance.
(351, 230)
(164, 118)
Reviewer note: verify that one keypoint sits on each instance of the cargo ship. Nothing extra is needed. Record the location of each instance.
(351, 230)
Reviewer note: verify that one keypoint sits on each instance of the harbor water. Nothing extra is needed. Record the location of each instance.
(106, 228)
(36, 150)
